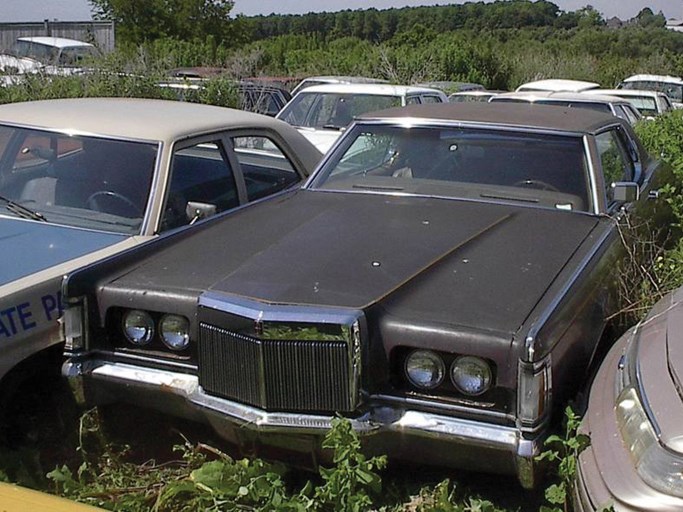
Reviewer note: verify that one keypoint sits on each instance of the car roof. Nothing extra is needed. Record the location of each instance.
(57, 42)
(130, 118)
(378, 89)
(562, 96)
(627, 92)
(654, 78)
(512, 115)
(555, 84)
(344, 79)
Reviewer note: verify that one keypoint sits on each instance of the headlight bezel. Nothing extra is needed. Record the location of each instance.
(446, 389)
(119, 339)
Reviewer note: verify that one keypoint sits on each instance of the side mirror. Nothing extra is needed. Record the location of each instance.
(196, 211)
(624, 191)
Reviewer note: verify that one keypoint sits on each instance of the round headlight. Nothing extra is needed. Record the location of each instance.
(138, 327)
(425, 369)
(175, 331)
(471, 375)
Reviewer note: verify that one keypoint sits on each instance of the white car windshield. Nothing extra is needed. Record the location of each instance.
(87, 182)
(469, 163)
(673, 91)
(332, 111)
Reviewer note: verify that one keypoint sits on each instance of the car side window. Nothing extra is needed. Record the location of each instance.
(202, 183)
(430, 98)
(412, 100)
(265, 167)
(616, 160)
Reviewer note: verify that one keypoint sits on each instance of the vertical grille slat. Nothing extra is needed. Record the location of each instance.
(277, 375)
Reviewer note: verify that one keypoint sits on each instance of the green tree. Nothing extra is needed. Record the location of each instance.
(137, 21)
(646, 18)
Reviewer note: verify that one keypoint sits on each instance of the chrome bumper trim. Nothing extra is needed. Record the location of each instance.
(376, 422)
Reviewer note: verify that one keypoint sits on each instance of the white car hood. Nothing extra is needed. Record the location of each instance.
(321, 139)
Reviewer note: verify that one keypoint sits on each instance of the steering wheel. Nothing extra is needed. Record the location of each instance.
(94, 203)
(541, 185)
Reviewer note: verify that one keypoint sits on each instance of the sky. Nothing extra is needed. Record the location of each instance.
(79, 10)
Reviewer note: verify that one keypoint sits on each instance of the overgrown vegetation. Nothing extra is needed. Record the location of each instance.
(205, 478)
(499, 45)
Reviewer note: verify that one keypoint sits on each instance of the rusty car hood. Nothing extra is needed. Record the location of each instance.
(456, 262)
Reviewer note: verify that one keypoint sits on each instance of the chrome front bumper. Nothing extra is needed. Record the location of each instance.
(401, 433)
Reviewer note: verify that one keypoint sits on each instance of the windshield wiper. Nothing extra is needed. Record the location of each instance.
(22, 211)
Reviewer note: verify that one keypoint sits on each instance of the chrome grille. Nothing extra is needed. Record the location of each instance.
(276, 375)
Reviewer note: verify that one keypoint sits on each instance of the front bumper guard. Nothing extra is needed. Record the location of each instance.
(385, 429)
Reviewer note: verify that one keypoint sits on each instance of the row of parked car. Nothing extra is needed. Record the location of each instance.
(443, 276)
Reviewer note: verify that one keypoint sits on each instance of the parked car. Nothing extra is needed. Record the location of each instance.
(322, 112)
(83, 179)
(52, 55)
(335, 79)
(14, 498)
(649, 103)
(251, 96)
(450, 87)
(672, 86)
(442, 281)
(614, 105)
(557, 85)
(635, 419)
(484, 95)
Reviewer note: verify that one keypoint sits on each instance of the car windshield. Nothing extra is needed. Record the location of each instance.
(332, 111)
(468, 163)
(673, 91)
(87, 182)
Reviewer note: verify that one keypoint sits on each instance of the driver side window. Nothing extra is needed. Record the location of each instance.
(615, 159)
(202, 183)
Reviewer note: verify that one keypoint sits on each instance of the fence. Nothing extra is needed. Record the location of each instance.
(99, 33)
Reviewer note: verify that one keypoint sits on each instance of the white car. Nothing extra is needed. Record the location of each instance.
(83, 179)
(322, 112)
(52, 55)
(557, 85)
(614, 105)
(335, 79)
(649, 103)
(672, 86)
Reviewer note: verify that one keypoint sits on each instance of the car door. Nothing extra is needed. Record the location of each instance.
(217, 173)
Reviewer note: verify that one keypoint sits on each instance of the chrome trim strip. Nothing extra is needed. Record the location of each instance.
(417, 402)
(376, 421)
(262, 311)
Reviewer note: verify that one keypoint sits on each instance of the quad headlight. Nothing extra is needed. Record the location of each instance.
(425, 369)
(175, 331)
(471, 375)
(138, 327)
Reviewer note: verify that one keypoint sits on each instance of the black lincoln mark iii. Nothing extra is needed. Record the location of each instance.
(443, 281)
